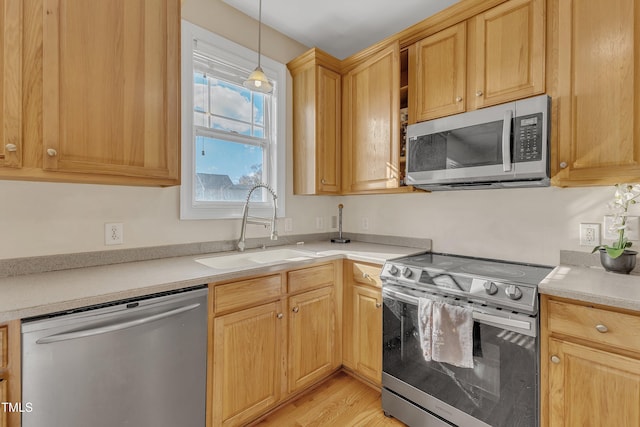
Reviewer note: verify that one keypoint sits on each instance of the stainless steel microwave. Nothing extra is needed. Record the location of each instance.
(503, 146)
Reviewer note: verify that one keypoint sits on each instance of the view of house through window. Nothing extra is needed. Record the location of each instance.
(232, 134)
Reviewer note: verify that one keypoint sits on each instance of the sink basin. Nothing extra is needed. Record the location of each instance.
(255, 259)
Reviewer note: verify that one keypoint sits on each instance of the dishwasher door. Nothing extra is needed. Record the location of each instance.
(132, 363)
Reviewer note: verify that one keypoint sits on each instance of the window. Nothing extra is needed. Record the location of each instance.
(232, 138)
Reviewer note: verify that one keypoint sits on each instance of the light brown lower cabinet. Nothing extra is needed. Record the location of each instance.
(267, 345)
(10, 390)
(362, 338)
(590, 365)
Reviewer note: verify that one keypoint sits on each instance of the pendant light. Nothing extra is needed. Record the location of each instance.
(257, 80)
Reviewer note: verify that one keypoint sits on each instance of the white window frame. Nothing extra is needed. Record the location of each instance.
(239, 56)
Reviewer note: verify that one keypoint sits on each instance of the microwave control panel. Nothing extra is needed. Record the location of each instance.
(527, 135)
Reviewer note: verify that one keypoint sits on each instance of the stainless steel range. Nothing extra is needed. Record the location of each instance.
(499, 385)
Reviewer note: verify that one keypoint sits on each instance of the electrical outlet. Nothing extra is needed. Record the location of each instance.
(288, 225)
(365, 223)
(113, 234)
(319, 223)
(589, 234)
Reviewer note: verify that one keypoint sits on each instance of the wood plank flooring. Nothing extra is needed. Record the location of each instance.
(341, 401)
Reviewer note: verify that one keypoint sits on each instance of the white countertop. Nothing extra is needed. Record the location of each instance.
(595, 285)
(42, 293)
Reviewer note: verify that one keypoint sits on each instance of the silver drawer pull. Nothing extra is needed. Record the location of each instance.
(280, 316)
(51, 152)
(11, 147)
(378, 305)
(365, 275)
(602, 328)
(555, 359)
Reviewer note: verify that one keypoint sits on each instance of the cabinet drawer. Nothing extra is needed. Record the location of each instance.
(367, 274)
(246, 292)
(309, 278)
(3, 346)
(601, 326)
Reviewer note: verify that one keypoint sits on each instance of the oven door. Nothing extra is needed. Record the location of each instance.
(500, 391)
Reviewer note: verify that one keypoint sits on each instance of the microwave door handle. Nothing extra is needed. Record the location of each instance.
(506, 141)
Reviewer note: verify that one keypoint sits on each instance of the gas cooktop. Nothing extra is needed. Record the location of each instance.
(501, 284)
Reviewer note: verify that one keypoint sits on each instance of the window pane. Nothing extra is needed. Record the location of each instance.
(226, 171)
(258, 108)
(200, 93)
(230, 125)
(230, 101)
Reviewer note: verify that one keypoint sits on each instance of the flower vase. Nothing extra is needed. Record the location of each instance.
(623, 264)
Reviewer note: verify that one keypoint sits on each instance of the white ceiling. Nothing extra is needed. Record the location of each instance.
(340, 27)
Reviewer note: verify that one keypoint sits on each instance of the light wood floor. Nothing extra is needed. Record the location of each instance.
(341, 401)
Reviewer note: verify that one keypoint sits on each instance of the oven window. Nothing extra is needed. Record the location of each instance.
(501, 390)
(478, 145)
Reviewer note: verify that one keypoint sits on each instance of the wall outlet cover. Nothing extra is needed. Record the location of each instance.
(589, 234)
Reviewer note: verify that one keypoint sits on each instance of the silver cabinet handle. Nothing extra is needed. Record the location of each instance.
(280, 316)
(563, 165)
(51, 152)
(378, 305)
(458, 98)
(555, 359)
(323, 181)
(365, 275)
(295, 309)
(114, 327)
(506, 141)
(11, 147)
(479, 93)
(602, 328)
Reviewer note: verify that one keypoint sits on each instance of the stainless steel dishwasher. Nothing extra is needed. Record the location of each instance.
(139, 362)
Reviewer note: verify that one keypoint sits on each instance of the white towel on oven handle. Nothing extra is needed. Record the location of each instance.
(424, 326)
(452, 334)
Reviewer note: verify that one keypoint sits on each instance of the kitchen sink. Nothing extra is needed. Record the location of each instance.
(255, 259)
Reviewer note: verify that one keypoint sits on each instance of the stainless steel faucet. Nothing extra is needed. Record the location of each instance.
(246, 219)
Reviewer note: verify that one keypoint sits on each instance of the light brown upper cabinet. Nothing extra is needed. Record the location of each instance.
(371, 137)
(111, 87)
(491, 58)
(506, 46)
(317, 102)
(441, 70)
(101, 91)
(595, 61)
(11, 83)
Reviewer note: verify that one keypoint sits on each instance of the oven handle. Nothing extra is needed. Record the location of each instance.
(477, 315)
(506, 141)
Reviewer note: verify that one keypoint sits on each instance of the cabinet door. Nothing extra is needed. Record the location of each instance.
(312, 331)
(441, 73)
(592, 388)
(111, 82)
(367, 332)
(507, 47)
(598, 95)
(328, 131)
(247, 361)
(371, 123)
(11, 83)
(3, 398)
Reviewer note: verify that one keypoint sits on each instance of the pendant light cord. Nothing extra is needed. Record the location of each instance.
(259, 29)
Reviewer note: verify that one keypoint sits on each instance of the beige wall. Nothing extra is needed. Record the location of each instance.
(530, 225)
